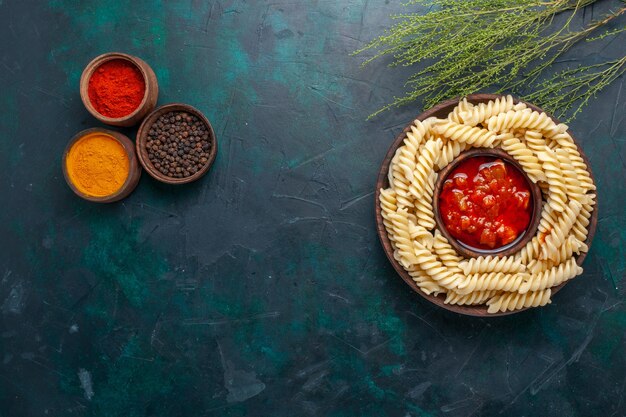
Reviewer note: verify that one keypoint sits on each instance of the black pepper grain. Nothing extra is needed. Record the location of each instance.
(178, 144)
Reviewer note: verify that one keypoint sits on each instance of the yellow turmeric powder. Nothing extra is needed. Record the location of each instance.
(97, 165)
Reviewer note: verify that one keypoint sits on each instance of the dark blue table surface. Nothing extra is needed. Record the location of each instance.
(262, 289)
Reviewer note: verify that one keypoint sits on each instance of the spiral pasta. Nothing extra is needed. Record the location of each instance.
(404, 243)
(473, 298)
(389, 205)
(424, 205)
(421, 235)
(435, 269)
(547, 154)
(446, 253)
(575, 190)
(473, 136)
(514, 301)
(424, 167)
(516, 119)
(565, 141)
(524, 156)
(457, 113)
(490, 263)
(552, 277)
(559, 232)
(450, 150)
(424, 281)
(557, 196)
(579, 229)
(570, 247)
(399, 182)
(491, 281)
(472, 116)
(534, 141)
(530, 251)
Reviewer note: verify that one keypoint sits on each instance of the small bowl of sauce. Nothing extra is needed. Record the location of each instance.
(485, 204)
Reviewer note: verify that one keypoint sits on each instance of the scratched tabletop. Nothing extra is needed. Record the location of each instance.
(262, 289)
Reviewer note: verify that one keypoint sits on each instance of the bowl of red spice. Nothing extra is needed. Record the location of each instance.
(176, 144)
(119, 89)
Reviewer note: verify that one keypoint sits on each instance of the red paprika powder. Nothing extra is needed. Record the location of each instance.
(116, 88)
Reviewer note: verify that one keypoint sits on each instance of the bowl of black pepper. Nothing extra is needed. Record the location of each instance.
(176, 144)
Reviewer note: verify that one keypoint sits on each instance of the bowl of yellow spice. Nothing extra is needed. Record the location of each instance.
(100, 165)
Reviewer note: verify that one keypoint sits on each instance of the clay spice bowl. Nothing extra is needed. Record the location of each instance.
(442, 110)
(134, 170)
(188, 152)
(150, 96)
(505, 250)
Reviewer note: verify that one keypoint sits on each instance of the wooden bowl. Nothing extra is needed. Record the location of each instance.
(149, 99)
(441, 111)
(521, 240)
(142, 137)
(134, 172)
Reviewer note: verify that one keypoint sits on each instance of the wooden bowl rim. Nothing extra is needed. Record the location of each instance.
(131, 180)
(382, 182)
(95, 64)
(522, 239)
(142, 135)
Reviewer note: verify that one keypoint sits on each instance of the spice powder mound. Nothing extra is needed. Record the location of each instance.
(97, 165)
(116, 88)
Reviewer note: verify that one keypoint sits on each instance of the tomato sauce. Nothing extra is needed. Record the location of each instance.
(485, 202)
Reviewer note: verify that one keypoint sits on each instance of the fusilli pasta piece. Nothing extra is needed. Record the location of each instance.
(420, 234)
(516, 301)
(570, 247)
(557, 196)
(424, 281)
(483, 111)
(560, 231)
(424, 205)
(548, 221)
(534, 141)
(424, 166)
(552, 277)
(580, 228)
(450, 150)
(446, 253)
(429, 263)
(516, 119)
(473, 298)
(400, 184)
(473, 136)
(491, 281)
(392, 164)
(554, 130)
(482, 264)
(565, 141)
(573, 187)
(462, 108)
(388, 205)
(530, 251)
(404, 243)
(418, 134)
(524, 156)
